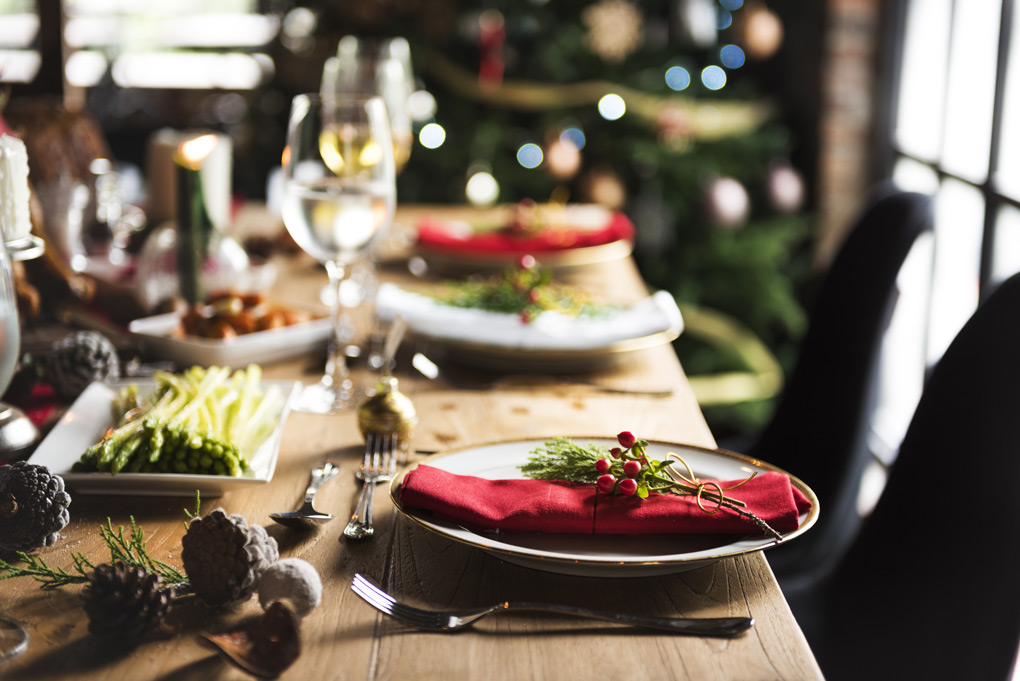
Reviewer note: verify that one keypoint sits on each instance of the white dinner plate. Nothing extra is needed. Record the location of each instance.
(602, 555)
(259, 347)
(89, 417)
(552, 342)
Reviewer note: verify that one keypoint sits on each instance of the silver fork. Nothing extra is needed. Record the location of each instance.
(379, 465)
(454, 620)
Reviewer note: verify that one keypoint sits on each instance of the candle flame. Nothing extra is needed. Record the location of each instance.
(190, 154)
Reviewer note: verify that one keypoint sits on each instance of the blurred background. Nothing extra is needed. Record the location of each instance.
(741, 136)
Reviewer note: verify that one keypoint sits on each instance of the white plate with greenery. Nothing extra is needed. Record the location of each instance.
(92, 414)
(601, 555)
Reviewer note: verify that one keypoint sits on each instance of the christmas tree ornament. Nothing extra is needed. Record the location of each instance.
(491, 40)
(615, 29)
(33, 507)
(784, 188)
(388, 412)
(294, 580)
(224, 557)
(124, 600)
(726, 203)
(79, 359)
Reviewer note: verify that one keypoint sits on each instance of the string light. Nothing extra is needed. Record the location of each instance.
(677, 78)
(530, 155)
(482, 189)
(432, 136)
(731, 56)
(612, 107)
(713, 77)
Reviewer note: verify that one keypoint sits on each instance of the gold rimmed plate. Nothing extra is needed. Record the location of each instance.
(601, 555)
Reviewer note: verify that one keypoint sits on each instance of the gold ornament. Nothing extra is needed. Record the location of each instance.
(387, 412)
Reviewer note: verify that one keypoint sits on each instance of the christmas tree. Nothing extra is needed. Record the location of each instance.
(652, 108)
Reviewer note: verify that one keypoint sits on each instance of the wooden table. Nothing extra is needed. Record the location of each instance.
(345, 638)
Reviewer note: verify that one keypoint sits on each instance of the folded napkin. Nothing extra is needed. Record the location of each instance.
(527, 505)
(446, 236)
(549, 331)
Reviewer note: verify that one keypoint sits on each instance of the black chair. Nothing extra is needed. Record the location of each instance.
(818, 431)
(930, 589)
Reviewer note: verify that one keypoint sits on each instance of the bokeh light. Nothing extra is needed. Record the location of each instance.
(575, 136)
(432, 136)
(482, 189)
(529, 155)
(731, 56)
(731, 4)
(713, 77)
(612, 107)
(724, 19)
(677, 78)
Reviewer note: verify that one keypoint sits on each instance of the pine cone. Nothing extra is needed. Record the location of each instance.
(121, 600)
(33, 506)
(80, 358)
(224, 557)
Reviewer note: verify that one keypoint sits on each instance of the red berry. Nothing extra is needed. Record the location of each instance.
(533, 295)
(526, 316)
(628, 486)
(603, 465)
(627, 439)
(615, 452)
(527, 262)
(631, 468)
(606, 483)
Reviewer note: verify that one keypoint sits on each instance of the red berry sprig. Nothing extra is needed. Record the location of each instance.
(630, 472)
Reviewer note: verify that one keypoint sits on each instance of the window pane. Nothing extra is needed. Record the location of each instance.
(923, 78)
(1006, 260)
(19, 29)
(1009, 143)
(971, 88)
(915, 177)
(959, 216)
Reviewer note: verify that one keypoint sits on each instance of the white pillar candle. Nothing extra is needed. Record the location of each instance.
(14, 217)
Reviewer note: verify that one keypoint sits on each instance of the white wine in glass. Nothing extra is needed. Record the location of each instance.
(373, 66)
(339, 197)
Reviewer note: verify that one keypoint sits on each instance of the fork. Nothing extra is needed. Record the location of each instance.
(379, 465)
(454, 620)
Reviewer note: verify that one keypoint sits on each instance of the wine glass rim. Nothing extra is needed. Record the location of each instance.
(345, 97)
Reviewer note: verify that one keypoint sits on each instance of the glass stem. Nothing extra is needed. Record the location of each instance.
(337, 372)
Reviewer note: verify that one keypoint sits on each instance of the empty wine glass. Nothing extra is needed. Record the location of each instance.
(339, 194)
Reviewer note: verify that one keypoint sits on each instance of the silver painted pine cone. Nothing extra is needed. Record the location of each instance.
(224, 557)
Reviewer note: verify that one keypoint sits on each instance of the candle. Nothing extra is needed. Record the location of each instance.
(194, 227)
(161, 176)
(14, 217)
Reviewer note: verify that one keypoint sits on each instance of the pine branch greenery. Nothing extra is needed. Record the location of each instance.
(130, 550)
(628, 471)
(564, 459)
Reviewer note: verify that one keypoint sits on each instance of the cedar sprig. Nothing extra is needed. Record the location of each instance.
(129, 549)
(564, 459)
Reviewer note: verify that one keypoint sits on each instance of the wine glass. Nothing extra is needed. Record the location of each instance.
(369, 66)
(13, 637)
(375, 66)
(339, 194)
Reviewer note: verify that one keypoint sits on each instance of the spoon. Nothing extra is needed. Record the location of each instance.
(307, 515)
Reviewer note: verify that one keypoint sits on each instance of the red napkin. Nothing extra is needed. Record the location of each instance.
(564, 507)
(438, 234)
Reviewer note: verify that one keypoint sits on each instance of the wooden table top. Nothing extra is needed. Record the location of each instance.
(344, 638)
